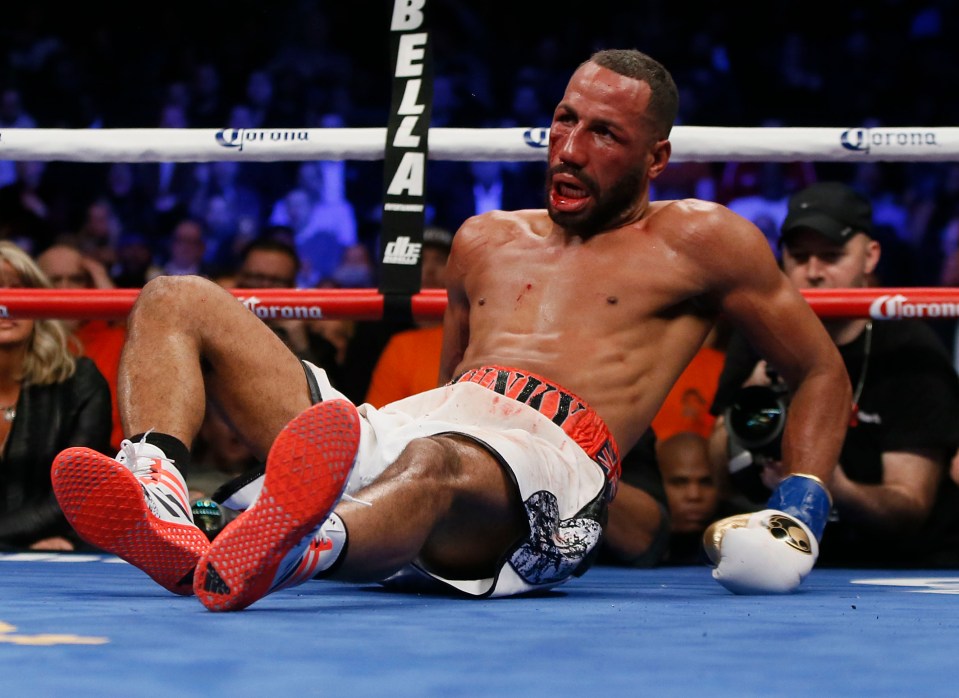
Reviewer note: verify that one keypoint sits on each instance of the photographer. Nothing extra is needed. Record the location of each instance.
(892, 505)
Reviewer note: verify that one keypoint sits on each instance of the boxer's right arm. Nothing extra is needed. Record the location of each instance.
(637, 532)
(456, 319)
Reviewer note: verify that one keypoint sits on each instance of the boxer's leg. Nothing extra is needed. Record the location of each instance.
(187, 336)
(445, 500)
(277, 541)
(189, 339)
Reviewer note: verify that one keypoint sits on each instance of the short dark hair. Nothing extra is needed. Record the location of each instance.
(268, 244)
(664, 97)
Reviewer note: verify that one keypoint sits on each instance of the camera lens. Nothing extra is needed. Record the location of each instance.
(756, 418)
(211, 517)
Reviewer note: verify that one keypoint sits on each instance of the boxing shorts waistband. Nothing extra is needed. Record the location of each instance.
(563, 408)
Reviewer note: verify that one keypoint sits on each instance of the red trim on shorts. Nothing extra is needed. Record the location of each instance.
(563, 408)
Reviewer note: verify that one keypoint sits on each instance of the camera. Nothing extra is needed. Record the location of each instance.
(756, 417)
(211, 517)
(755, 421)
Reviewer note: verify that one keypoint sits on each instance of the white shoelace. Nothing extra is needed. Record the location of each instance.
(139, 465)
(353, 499)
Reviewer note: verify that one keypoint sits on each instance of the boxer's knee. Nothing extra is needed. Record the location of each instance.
(173, 290)
(171, 296)
(433, 461)
(451, 468)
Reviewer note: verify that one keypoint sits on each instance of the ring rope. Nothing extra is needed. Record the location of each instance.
(429, 304)
(690, 144)
(306, 304)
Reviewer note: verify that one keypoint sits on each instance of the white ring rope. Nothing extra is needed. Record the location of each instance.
(690, 144)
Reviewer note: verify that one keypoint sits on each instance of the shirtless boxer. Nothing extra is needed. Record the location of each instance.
(564, 331)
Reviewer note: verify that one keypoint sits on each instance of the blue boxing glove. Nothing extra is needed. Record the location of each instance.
(771, 551)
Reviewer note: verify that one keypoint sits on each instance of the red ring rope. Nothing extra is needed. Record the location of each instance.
(367, 304)
(328, 304)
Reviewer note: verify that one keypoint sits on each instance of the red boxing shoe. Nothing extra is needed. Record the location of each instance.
(306, 472)
(135, 506)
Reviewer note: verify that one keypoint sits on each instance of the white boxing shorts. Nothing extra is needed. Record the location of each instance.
(556, 449)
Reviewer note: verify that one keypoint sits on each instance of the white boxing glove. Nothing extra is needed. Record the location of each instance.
(768, 552)
(771, 551)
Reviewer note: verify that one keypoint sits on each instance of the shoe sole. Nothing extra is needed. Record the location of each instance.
(306, 472)
(105, 504)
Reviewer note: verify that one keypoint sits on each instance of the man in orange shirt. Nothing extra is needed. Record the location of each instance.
(686, 407)
(102, 341)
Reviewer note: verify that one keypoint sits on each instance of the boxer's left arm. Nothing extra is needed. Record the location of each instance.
(773, 550)
(783, 328)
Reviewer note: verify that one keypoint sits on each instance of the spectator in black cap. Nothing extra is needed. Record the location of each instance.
(437, 243)
(892, 505)
(831, 210)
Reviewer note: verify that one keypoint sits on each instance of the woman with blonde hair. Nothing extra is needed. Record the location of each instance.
(49, 400)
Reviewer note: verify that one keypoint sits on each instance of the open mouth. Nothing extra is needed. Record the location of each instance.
(568, 197)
